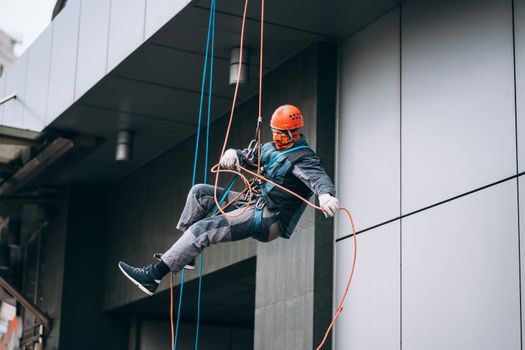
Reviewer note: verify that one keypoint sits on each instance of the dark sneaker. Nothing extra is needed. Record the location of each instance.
(190, 266)
(142, 277)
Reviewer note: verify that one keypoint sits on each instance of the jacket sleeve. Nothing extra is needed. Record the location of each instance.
(311, 172)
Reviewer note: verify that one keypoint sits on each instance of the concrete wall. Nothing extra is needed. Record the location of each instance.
(428, 163)
(294, 280)
(155, 335)
(52, 268)
(83, 324)
(70, 287)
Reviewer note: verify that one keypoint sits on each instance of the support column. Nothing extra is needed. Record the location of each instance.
(294, 277)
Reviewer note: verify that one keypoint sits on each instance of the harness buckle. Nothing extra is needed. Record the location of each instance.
(260, 204)
(251, 148)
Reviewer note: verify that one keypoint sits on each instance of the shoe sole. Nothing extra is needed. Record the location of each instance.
(142, 288)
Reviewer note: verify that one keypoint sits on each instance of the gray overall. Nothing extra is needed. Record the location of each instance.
(298, 169)
(200, 230)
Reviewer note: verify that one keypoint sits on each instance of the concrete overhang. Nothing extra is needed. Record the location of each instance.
(151, 75)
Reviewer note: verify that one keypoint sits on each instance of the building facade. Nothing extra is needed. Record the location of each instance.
(7, 51)
(430, 158)
(415, 107)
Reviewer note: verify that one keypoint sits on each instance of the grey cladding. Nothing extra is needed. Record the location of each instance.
(63, 61)
(38, 81)
(123, 37)
(458, 122)
(93, 44)
(369, 131)
(460, 273)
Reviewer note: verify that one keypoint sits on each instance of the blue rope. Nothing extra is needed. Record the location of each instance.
(226, 191)
(201, 103)
(195, 160)
(210, 89)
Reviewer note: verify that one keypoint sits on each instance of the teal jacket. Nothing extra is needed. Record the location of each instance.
(299, 169)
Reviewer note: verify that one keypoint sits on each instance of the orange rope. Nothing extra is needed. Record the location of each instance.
(340, 306)
(261, 58)
(260, 90)
(171, 313)
(232, 109)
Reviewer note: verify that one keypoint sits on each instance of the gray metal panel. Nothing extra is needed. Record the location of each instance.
(458, 129)
(93, 44)
(151, 100)
(190, 30)
(63, 61)
(15, 83)
(519, 18)
(159, 12)
(460, 273)
(102, 123)
(371, 319)
(183, 69)
(126, 29)
(368, 149)
(339, 19)
(38, 81)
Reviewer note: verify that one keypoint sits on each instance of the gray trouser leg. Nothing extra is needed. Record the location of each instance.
(199, 204)
(202, 231)
(207, 231)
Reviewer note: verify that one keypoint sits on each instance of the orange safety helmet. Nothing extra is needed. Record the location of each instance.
(287, 117)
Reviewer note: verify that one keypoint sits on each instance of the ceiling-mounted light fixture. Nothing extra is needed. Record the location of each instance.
(234, 66)
(124, 146)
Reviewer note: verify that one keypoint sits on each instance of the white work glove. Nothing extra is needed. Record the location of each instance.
(329, 204)
(229, 159)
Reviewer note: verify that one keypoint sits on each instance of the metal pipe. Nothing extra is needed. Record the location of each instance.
(7, 98)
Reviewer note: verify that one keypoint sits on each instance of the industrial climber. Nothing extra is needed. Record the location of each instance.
(272, 212)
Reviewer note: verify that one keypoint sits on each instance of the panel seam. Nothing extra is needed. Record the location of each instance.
(400, 175)
(433, 205)
(109, 35)
(25, 89)
(145, 17)
(49, 73)
(517, 165)
(77, 50)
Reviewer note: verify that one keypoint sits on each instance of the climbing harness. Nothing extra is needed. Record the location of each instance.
(277, 156)
(257, 217)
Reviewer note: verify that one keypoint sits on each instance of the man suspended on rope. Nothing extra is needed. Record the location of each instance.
(272, 213)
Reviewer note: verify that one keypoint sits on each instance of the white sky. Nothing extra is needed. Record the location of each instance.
(24, 20)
